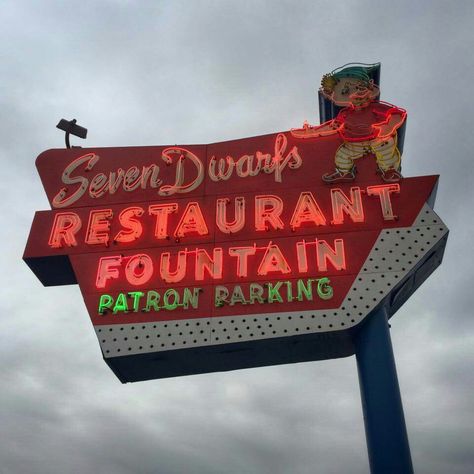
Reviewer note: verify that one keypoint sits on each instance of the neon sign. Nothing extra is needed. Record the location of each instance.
(268, 214)
(184, 250)
(138, 269)
(365, 124)
(171, 299)
(224, 239)
(138, 178)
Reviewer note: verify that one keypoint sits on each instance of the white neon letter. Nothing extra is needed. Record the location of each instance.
(242, 254)
(268, 209)
(107, 270)
(342, 204)
(191, 221)
(326, 253)
(60, 200)
(133, 226)
(165, 272)
(99, 227)
(178, 186)
(239, 213)
(301, 256)
(273, 261)
(307, 210)
(162, 211)
(65, 227)
(383, 191)
(139, 269)
(204, 262)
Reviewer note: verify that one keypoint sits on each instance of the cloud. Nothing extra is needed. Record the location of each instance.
(195, 72)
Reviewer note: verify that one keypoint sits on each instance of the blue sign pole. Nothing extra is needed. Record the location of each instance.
(385, 429)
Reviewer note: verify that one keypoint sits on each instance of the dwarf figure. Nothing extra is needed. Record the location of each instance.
(365, 124)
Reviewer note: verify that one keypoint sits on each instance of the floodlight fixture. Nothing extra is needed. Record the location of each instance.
(71, 127)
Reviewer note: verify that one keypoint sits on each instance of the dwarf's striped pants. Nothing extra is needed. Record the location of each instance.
(385, 151)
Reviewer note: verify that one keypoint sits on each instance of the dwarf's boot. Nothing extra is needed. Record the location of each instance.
(391, 175)
(339, 176)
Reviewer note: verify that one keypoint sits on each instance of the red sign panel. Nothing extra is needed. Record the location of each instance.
(183, 251)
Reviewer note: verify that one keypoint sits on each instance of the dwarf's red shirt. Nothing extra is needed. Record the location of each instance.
(358, 122)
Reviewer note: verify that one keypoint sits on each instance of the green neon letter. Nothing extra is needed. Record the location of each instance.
(136, 295)
(256, 293)
(237, 296)
(105, 303)
(192, 298)
(274, 292)
(171, 306)
(152, 300)
(325, 291)
(307, 290)
(121, 303)
(221, 294)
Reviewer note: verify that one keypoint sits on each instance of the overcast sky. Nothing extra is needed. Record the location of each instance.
(151, 73)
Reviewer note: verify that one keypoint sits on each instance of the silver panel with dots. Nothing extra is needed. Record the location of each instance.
(393, 255)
